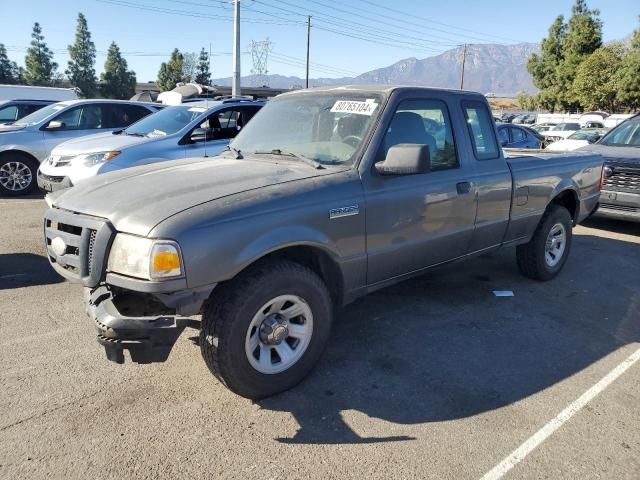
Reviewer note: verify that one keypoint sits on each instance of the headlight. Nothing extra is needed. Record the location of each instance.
(144, 257)
(92, 159)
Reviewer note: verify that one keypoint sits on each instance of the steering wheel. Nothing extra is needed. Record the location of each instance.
(352, 140)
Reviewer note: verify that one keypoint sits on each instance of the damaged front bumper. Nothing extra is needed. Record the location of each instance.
(148, 338)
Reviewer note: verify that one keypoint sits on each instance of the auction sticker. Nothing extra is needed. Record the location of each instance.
(359, 108)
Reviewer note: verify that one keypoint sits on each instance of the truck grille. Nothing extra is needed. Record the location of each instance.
(620, 208)
(624, 178)
(77, 245)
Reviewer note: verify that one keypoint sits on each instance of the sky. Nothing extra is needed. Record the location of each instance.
(348, 37)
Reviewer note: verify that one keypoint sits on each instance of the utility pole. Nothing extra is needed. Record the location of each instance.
(235, 85)
(306, 83)
(464, 58)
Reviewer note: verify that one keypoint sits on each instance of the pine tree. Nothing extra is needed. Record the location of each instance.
(584, 36)
(81, 71)
(116, 81)
(627, 77)
(9, 71)
(171, 72)
(544, 67)
(203, 75)
(39, 65)
(189, 66)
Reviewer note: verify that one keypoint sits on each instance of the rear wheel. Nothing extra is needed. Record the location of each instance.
(545, 255)
(17, 174)
(265, 330)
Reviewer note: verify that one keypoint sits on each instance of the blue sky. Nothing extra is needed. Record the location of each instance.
(348, 37)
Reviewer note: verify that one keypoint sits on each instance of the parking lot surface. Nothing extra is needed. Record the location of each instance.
(432, 378)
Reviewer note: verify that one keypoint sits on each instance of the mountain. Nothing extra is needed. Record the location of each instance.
(500, 69)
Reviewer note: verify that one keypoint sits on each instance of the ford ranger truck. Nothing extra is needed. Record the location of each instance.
(325, 196)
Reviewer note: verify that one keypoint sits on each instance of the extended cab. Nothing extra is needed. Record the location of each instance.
(325, 196)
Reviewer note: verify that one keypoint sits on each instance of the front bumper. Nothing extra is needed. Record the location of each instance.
(148, 338)
(49, 183)
(619, 205)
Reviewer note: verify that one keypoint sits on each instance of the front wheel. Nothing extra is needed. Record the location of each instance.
(546, 253)
(17, 174)
(265, 330)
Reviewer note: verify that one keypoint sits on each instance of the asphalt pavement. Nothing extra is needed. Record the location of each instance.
(432, 378)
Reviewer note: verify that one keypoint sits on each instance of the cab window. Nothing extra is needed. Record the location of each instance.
(481, 130)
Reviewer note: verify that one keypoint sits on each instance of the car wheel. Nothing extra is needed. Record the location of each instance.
(17, 174)
(547, 251)
(265, 330)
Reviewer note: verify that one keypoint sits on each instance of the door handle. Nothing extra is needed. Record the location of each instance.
(464, 187)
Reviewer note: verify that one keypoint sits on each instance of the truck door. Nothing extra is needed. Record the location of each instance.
(492, 178)
(415, 221)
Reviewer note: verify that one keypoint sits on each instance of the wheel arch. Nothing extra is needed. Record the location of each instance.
(567, 198)
(9, 152)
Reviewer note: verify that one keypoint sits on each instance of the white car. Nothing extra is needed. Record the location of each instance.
(578, 139)
(561, 131)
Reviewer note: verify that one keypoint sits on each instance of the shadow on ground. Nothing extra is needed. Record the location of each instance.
(617, 226)
(443, 347)
(24, 270)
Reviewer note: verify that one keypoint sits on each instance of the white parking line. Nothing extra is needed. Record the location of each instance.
(541, 435)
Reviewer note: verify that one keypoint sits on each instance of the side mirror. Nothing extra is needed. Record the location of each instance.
(54, 125)
(406, 159)
(200, 135)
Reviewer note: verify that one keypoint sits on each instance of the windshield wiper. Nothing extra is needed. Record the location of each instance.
(277, 151)
(235, 151)
(133, 134)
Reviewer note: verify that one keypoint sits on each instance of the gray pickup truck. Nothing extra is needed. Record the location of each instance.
(327, 195)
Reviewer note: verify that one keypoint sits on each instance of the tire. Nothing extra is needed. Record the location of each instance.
(25, 166)
(532, 257)
(229, 327)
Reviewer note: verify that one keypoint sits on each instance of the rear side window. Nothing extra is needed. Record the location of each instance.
(518, 135)
(481, 130)
(124, 115)
(8, 114)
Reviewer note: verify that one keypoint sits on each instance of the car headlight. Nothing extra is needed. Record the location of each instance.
(92, 159)
(146, 258)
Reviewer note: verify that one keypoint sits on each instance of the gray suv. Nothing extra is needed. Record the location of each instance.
(27, 142)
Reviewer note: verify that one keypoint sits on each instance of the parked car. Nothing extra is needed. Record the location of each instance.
(542, 127)
(53, 94)
(582, 137)
(326, 195)
(27, 142)
(620, 147)
(561, 131)
(190, 130)
(592, 124)
(517, 136)
(507, 117)
(12, 110)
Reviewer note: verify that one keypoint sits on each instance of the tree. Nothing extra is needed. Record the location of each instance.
(81, 71)
(584, 36)
(9, 71)
(39, 65)
(596, 83)
(544, 67)
(527, 102)
(203, 76)
(627, 77)
(189, 66)
(171, 72)
(116, 81)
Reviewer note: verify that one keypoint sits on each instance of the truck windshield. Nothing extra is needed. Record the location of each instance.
(40, 115)
(627, 134)
(165, 122)
(326, 128)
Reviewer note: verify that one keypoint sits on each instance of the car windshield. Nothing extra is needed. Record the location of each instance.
(165, 122)
(42, 114)
(583, 135)
(567, 126)
(627, 134)
(326, 128)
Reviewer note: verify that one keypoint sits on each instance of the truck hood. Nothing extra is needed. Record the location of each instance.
(137, 199)
(620, 154)
(99, 142)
